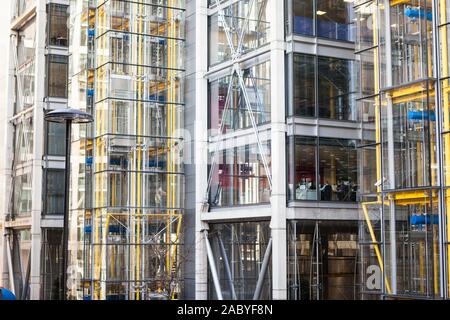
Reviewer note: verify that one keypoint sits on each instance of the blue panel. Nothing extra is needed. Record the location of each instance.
(7, 295)
(303, 25)
(421, 115)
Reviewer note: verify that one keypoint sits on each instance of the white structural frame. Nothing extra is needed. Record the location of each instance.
(276, 50)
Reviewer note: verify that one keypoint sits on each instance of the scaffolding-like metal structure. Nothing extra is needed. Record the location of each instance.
(128, 238)
(402, 217)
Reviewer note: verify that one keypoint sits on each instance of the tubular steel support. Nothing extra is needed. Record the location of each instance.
(263, 271)
(66, 213)
(10, 265)
(27, 279)
(212, 265)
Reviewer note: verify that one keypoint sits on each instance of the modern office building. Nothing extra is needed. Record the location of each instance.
(31, 215)
(277, 81)
(247, 149)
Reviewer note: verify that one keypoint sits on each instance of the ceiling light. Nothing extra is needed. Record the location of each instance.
(320, 13)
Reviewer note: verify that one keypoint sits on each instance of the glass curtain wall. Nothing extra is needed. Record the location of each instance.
(130, 182)
(58, 33)
(322, 169)
(239, 177)
(242, 246)
(248, 24)
(326, 91)
(443, 22)
(398, 150)
(221, 92)
(51, 264)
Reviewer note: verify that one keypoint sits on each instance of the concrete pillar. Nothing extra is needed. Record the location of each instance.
(201, 144)
(38, 149)
(278, 149)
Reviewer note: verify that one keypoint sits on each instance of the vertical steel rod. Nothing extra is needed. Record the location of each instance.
(66, 212)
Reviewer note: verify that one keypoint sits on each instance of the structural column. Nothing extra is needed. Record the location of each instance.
(201, 145)
(38, 143)
(7, 153)
(278, 149)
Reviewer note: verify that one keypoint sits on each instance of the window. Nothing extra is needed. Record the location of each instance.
(324, 18)
(336, 256)
(51, 264)
(57, 76)
(23, 141)
(303, 17)
(302, 177)
(336, 85)
(242, 19)
(22, 193)
(242, 246)
(26, 51)
(334, 20)
(337, 169)
(408, 131)
(57, 25)
(304, 85)
(326, 171)
(56, 139)
(54, 200)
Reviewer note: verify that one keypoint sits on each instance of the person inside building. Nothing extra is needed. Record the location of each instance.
(325, 192)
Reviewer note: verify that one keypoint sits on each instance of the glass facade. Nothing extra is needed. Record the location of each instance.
(55, 139)
(443, 21)
(324, 18)
(322, 169)
(239, 177)
(20, 244)
(51, 264)
(54, 192)
(322, 260)
(22, 192)
(21, 6)
(326, 91)
(57, 76)
(58, 32)
(248, 25)
(26, 48)
(227, 104)
(398, 154)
